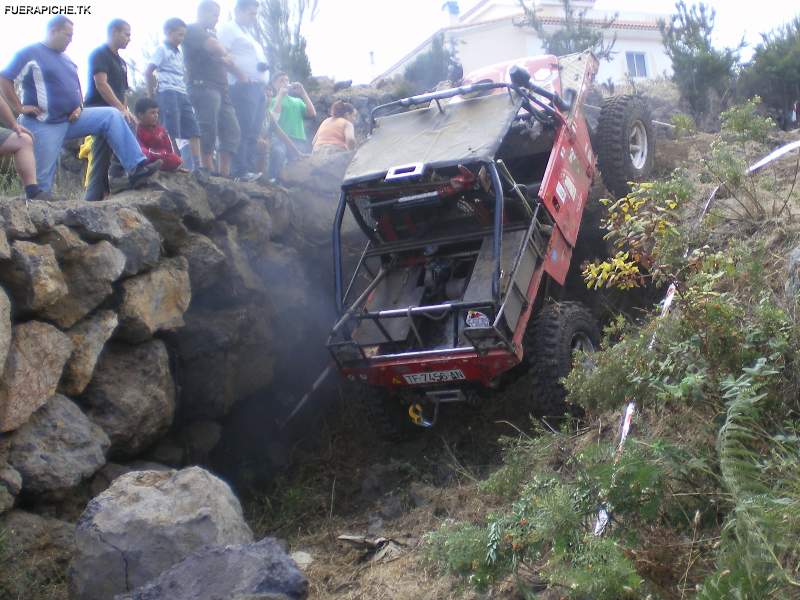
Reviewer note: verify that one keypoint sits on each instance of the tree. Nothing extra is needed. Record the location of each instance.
(279, 31)
(774, 72)
(431, 67)
(577, 35)
(699, 70)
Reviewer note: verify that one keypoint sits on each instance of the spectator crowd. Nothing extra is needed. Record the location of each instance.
(214, 105)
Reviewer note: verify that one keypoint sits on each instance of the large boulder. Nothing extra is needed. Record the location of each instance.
(259, 570)
(125, 228)
(180, 197)
(58, 447)
(223, 195)
(5, 326)
(5, 247)
(155, 300)
(33, 276)
(35, 362)
(226, 355)
(319, 174)
(16, 221)
(240, 280)
(199, 439)
(254, 227)
(204, 258)
(132, 395)
(10, 486)
(89, 272)
(63, 241)
(88, 339)
(103, 479)
(146, 522)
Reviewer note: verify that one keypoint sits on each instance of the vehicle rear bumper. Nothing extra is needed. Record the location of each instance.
(426, 369)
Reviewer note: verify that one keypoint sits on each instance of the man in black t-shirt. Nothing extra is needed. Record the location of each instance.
(108, 86)
(207, 64)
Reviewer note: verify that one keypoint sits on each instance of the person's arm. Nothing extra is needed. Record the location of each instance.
(276, 110)
(214, 48)
(283, 137)
(227, 39)
(230, 65)
(107, 94)
(350, 136)
(311, 112)
(12, 100)
(150, 76)
(7, 116)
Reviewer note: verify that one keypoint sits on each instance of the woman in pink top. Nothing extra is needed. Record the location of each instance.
(336, 133)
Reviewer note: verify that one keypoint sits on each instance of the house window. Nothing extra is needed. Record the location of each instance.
(636, 64)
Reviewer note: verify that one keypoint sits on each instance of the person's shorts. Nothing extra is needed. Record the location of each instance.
(216, 118)
(4, 133)
(177, 114)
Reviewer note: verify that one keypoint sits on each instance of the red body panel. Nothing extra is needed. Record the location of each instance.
(559, 254)
(568, 178)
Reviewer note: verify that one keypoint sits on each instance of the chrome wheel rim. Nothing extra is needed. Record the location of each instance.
(637, 143)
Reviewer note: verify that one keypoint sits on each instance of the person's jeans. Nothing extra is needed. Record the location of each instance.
(108, 122)
(177, 114)
(278, 157)
(250, 105)
(97, 184)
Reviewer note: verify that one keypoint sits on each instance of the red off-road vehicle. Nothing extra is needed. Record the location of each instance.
(471, 199)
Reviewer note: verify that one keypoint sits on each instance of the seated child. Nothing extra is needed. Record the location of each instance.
(153, 138)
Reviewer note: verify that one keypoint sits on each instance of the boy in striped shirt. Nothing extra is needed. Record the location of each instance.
(177, 113)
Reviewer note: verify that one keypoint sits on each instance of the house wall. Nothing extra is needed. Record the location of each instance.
(657, 61)
(480, 47)
(490, 44)
(487, 42)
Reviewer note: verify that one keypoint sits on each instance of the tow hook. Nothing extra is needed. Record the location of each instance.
(417, 416)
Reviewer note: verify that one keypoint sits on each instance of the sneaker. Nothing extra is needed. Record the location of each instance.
(248, 177)
(142, 172)
(42, 195)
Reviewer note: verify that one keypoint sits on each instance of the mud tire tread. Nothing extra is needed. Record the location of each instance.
(613, 134)
(547, 343)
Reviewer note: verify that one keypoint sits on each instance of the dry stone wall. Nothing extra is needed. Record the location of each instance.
(130, 328)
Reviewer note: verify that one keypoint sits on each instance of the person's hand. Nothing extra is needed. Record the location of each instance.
(297, 88)
(30, 110)
(20, 130)
(129, 116)
(75, 115)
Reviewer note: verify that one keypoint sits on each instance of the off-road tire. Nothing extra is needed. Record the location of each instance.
(385, 414)
(622, 120)
(549, 346)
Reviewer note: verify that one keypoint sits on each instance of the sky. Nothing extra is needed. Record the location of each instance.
(348, 39)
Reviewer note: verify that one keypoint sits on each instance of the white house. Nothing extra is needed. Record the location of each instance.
(493, 31)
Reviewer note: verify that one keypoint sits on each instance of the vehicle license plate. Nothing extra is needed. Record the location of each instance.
(434, 376)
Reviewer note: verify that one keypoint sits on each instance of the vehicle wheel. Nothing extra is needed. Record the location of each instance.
(551, 340)
(625, 143)
(385, 412)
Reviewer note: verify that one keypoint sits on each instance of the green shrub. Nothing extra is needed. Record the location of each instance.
(684, 125)
(743, 123)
